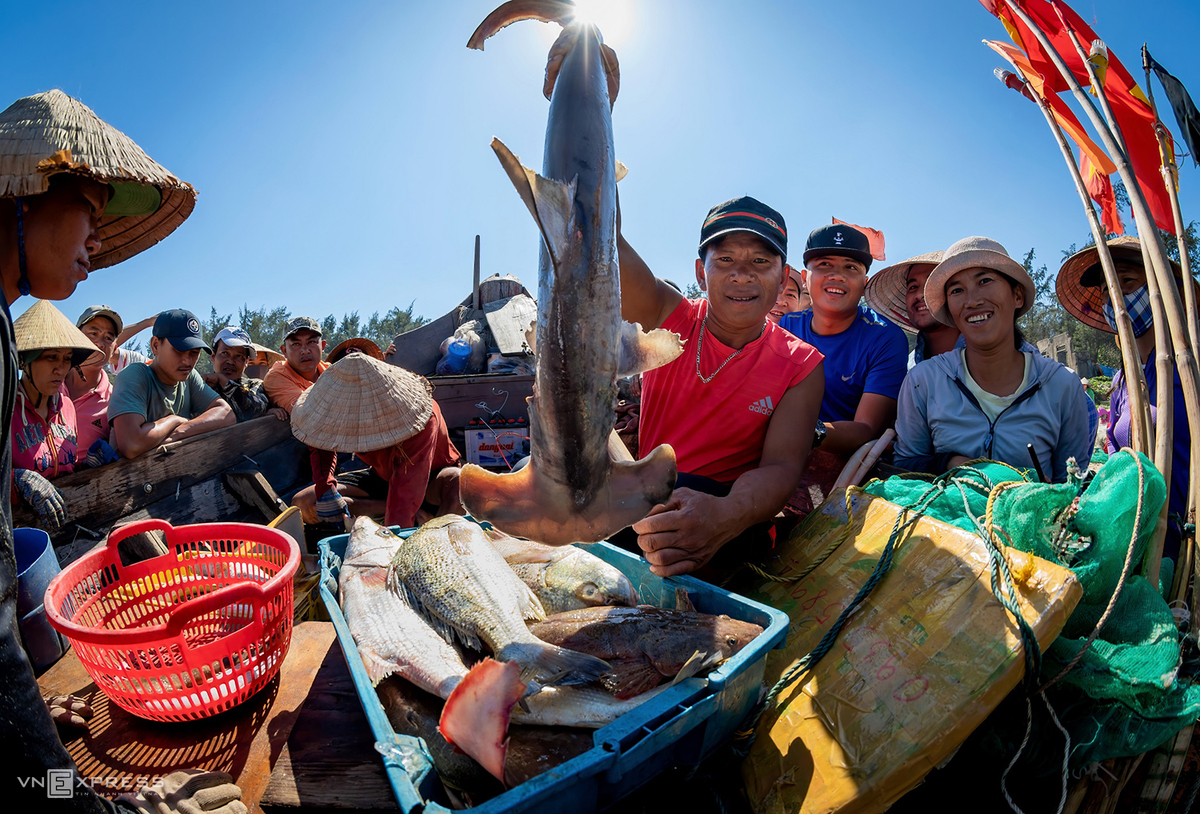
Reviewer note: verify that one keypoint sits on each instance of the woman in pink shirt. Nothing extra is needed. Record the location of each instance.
(44, 430)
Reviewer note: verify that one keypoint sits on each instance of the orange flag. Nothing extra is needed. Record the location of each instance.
(874, 237)
(1130, 106)
(1099, 186)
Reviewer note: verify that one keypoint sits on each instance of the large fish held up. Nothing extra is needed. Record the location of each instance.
(573, 489)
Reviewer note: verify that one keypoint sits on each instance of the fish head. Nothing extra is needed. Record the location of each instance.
(591, 580)
(731, 635)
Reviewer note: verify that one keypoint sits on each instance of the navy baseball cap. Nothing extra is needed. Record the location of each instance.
(838, 240)
(745, 214)
(181, 329)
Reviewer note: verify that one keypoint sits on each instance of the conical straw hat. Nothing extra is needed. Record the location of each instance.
(360, 404)
(272, 356)
(1086, 303)
(43, 327)
(887, 288)
(50, 133)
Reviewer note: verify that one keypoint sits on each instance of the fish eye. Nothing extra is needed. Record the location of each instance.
(589, 591)
(732, 641)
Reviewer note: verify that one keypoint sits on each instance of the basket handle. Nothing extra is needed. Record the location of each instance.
(117, 535)
(229, 595)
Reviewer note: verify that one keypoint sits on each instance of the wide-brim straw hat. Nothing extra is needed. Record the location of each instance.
(1082, 293)
(361, 343)
(50, 133)
(968, 253)
(360, 404)
(44, 327)
(263, 352)
(887, 289)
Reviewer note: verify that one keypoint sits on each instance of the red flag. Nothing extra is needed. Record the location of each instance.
(1062, 113)
(1129, 104)
(1099, 186)
(874, 237)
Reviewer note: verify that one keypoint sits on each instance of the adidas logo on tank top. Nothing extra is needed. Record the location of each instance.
(763, 406)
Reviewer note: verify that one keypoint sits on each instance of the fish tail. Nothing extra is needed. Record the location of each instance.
(551, 664)
(476, 715)
(525, 504)
(546, 11)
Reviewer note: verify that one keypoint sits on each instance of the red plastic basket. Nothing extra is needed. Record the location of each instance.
(185, 635)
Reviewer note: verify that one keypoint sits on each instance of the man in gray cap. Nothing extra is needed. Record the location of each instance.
(231, 353)
(166, 400)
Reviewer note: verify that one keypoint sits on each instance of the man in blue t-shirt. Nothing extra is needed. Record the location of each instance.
(166, 400)
(865, 355)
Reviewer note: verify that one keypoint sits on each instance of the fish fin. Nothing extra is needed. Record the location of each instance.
(641, 351)
(698, 663)
(683, 601)
(476, 715)
(377, 668)
(622, 171)
(552, 203)
(544, 11)
(444, 629)
(549, 663)
(529, 605)
(528, 505)
(631, 676)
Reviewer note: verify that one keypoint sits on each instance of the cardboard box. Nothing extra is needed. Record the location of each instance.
(498, 449)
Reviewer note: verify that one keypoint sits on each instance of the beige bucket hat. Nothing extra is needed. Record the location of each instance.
(974, 252)
(50, 132)
(887, 289)
(44, 327)
(1080, 281)
(360, 404)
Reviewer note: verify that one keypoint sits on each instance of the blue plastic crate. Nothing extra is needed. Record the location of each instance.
(679, 727)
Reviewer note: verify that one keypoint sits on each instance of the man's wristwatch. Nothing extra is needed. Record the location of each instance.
(819, 434)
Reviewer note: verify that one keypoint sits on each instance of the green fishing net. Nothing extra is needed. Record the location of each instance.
(1126, 695)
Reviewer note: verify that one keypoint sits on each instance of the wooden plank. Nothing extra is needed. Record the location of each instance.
(509, 320)
(119, 747)
(459, 395)
(329, 762)
(254, 492)
(96, 497)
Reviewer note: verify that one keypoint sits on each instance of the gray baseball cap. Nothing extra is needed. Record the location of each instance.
(297, 324)
(93, 311)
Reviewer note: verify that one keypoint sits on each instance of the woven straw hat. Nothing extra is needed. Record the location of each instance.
(887, 288)
(968, 253)
(43, 327)
(360, 404)
(361, 343)
(266, 354)
(50, 133)
(1083, 296)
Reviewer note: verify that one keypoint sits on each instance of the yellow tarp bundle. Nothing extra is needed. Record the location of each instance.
(918, 666)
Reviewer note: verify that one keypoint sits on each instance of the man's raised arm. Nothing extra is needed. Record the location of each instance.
(644, 298)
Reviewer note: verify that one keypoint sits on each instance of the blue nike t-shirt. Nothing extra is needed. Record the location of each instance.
(871, 356)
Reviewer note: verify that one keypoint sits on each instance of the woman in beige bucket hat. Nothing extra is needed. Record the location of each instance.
(990, 399)
(76, 195)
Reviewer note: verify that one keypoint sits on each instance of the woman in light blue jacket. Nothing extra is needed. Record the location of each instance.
(989, 399)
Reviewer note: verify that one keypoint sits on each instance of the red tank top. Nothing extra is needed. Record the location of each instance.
(718, 428)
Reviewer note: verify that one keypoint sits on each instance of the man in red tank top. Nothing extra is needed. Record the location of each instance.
(739, 405)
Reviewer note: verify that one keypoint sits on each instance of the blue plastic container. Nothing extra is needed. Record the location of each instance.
(679, 727)
(37, 565)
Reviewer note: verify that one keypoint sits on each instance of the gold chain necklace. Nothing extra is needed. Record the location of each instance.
(700, 349)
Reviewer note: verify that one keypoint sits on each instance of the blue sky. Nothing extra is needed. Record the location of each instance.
(341, 150)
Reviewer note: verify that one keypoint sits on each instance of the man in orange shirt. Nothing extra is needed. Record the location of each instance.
(300, 367)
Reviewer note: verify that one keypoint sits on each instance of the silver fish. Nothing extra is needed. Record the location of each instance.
(573, 489)
(564, 577)
(450, 572)
(391, 636)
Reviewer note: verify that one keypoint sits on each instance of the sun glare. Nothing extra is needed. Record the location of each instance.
(614, 18)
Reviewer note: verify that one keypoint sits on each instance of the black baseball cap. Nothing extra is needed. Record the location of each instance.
(838, 240)
(745, 215)
(181, 329)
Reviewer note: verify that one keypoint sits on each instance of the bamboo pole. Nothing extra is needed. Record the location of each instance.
(1174, 310)
(1135, 382)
